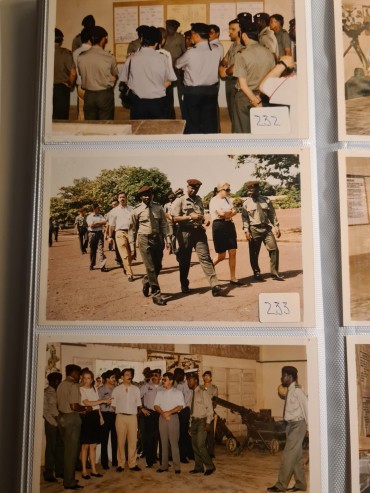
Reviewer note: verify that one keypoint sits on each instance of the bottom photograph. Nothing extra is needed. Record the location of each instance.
(155, 414)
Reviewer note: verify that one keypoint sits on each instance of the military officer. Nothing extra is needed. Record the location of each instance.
(99, 73)
(266, 37)
(282, 36)
(258, 216)
(188, 212)
(148, 225)
(64, 78)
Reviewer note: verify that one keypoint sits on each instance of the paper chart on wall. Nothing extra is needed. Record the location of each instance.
(251, 7)
(356, 200)
(125, 23)
(186, 14)
(221, 14)
(152, 15)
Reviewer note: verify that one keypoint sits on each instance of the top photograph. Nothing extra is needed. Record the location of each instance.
(166, 70)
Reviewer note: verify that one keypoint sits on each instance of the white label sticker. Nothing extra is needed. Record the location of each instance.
(279, 307)
(270, 120)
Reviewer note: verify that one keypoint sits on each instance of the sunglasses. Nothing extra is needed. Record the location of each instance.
(226, 189)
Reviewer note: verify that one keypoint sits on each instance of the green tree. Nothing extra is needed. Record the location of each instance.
(281, 167)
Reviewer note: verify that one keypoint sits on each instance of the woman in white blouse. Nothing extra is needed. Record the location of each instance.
(91, 422)
(223, 229)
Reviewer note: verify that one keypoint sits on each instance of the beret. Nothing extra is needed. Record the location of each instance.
(144, 189)
(208, 372)
(194, 183)
(157, 370)
(252, 184)
(173, 23)
(245, 16)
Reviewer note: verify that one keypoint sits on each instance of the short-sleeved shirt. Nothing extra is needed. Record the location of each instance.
(296, 407)
(80, 222)
(94, 218)
(119, 217)
(231, 54)
(186, 392)
(251, 214)
(169, 399)
(253, 64)
(146, 72)
(202, 405)
(200, 65)
(126, 399)
(68, 392)
(185, 206)
(98, 69)
(219, 204)
(175, 45)
(148, 393)
(268, 39)
(104, 392)
(283, 40)
(84, 47)
(212, 391)
(140, 221)
(50, 405)
(220, 46)
(91, 395)
(63, 64)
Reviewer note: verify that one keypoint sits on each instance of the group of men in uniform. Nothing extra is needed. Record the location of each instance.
(160, 59)
(152, 411)
(179, 227)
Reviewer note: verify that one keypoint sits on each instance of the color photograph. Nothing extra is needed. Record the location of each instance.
(354, 175)
(352, 19)
(133, 71)
(173, 238)
(236, 414)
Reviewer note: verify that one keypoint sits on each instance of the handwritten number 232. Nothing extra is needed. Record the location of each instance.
(277, 308)
(267, 121)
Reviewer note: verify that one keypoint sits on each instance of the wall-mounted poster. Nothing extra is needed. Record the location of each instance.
(354, 173)
(358, 356)
(352, 25)
(241, 254)
(245, 406)
(158, 92)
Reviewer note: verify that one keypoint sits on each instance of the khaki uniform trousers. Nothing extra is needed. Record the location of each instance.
(126, 427)
(123, 246)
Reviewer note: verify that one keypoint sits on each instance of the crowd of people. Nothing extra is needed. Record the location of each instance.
(258, 70)
(163, 418)
(180, 227)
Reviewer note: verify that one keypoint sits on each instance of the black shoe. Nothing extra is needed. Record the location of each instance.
(236, 283)
(278, 278)
(75, 487)
(136, 468)
(208, 472)
(177, 472)
(104, 269)
(216, 290)
(130, 278)
(146, 288)
(120, 469)
(257, 277)
(86, 477)
(91, 267)
(273, 488)
(159, 301)
(97, 475)
(51, 479)
(105, 467)
(162, 470)
(184, 461)
(185, 289)
(196, 471)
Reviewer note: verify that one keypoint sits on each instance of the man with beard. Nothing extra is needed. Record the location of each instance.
(188, 212)
(148, 225)
(251, 66)
(99, 73)
(296, 415)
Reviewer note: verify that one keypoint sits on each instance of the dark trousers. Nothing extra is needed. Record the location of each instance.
(54, 452)
(170, 108)
(99, 105)
(61, 97)
(96, 244)
(118, 256)
(151, 251)
(148, 109)
(56, 233)
(151, 437)
(241, 122)
(201, 109)
(230, 96)
(82, 236)
(109, 427)
(187, 241)
(211, 439)
(198, 440)
(186, 449)
(70, 429)
(265, 235)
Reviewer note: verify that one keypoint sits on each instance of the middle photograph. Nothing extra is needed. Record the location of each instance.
(216, 237)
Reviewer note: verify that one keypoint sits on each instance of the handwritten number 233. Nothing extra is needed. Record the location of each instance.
(277, 308)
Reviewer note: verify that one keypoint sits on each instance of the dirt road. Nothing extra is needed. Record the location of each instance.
(74, 293)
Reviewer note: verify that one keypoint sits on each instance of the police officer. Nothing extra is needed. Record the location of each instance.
(147, 73)
(64, 78)
(200, 64)
(148, 225)
(251, 66)
(98, 70)
(258, 216)
(188, 212)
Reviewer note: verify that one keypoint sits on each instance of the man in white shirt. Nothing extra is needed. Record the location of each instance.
(168, 403)
(119, 223)
(126, 401)
(86, 45)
